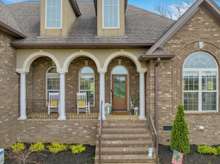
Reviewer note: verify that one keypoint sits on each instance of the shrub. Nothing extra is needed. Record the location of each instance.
(76, 149)
(56, 147)
(18, 148)
(204, 149)
(218, 150)
(180, 132)
(37, 147)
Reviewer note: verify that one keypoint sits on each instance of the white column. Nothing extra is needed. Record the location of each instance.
(62, 113)
(102, 94)
(23, 114)
(142, 96)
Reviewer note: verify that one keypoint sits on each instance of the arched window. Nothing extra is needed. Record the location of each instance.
(53, 81)
(200, 82)
(87, 83)
(119, 70)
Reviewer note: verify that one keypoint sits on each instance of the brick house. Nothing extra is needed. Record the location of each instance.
(118, 55)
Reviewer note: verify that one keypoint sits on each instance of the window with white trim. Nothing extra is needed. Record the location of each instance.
(53, 81)
(111, 13)
(87, 83)
(53, 14)
(200, 83)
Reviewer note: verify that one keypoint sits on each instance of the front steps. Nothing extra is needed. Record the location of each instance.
(124, 141)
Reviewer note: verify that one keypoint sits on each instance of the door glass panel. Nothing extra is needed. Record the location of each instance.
(119, 87)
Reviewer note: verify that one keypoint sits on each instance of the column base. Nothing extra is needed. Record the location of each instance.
(62, 118)
(22, 118)
(142, 118)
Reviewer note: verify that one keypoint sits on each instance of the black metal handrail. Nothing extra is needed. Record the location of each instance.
(155, 136)
(100, 132)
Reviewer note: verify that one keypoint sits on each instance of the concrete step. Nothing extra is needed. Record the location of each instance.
(124, 131)
(125, 143)
(126, 159)
(126, 136)
(125, 124)
(123, 150)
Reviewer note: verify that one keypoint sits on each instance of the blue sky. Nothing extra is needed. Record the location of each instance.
(146, 4)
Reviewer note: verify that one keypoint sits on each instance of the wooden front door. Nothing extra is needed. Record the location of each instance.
(119, 92)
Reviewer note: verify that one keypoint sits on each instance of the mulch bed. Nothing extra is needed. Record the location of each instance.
(165, 155)
(60, 158)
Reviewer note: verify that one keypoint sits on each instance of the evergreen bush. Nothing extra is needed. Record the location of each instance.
(180, 133)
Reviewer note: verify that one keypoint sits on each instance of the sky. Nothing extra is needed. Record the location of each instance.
(174, 8)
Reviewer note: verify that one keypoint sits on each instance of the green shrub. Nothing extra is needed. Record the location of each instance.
(37, 147)
(57, 147)
(180, 133)
(76, 149)
(18, 148)
(218, 150)
(204, 149)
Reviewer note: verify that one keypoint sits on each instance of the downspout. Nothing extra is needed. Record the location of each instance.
(156, 91)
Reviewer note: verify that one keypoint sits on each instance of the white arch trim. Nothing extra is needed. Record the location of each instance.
(123, 54)
(34, 56)
(80, 54)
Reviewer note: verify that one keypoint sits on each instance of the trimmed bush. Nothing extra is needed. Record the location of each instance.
(180, 133)
(57, 148)
(204, 149)
(218, 150)
(77, 149)
(37, 147)
(18, 148)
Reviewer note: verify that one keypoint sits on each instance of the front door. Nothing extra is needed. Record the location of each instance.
(119, 92)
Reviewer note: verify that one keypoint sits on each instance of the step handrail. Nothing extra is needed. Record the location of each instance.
(100, 132)
(155, 136)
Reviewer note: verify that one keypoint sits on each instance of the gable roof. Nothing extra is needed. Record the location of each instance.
(143, 28)
(8, 23)
(211, 5)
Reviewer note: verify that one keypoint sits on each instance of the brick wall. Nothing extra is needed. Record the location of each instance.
(202, 27)
(8, 91)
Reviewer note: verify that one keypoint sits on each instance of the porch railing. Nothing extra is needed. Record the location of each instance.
(155, 136)
(38, 109)
(100, 133)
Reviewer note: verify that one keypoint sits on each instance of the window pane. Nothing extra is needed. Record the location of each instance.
(209, 101)
(200, 60)
(53, 84)
(53, 13)
(191, 101)
(111, 13)
(209, 81)
(191, 81)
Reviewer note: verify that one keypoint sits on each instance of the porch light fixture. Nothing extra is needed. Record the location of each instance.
(150, 152)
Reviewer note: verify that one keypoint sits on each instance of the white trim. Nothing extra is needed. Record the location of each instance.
(61, 17)
(200, 90)
(128, 86)
(80, 53)
(27, 63)
(103, 17)
(54, 75)
(94, 81)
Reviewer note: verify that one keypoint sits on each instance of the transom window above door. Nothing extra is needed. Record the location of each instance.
(87, 83)
(119, 70)
(53, 14)
(111, 13)
(200, 83)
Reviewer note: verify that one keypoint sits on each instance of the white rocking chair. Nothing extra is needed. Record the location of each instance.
(82, 104)
(53, 103)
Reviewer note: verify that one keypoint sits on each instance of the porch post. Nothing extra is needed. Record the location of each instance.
(62, 113)
(102, 94)
(142, 95)
(23, 114)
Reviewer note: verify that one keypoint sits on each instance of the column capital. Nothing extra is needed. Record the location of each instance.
(142, 71)
(102, 71)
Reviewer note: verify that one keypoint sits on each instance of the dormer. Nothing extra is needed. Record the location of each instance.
(57, 16)
(111, 17)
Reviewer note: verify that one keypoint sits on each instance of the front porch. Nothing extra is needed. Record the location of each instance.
(116, 87)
